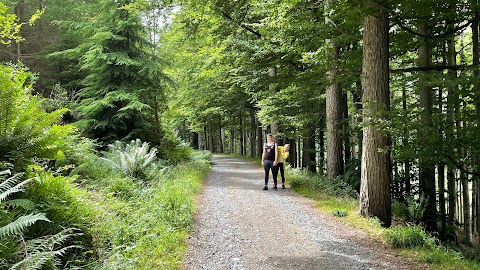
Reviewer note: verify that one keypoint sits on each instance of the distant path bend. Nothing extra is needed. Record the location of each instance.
(240, 226)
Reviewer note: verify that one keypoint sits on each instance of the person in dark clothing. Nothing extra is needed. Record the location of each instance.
(269, 160)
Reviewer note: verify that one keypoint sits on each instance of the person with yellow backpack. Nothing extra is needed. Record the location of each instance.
(282, 158)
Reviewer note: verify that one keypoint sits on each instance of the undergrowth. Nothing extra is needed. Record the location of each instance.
(340, 199)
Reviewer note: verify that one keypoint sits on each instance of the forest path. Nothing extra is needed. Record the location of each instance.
(240, 226)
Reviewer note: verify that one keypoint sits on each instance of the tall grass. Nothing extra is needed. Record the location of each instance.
(144, 226)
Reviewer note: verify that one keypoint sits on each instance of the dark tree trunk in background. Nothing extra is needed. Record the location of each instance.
(211, 140)
(334, 102)
(476, 89)
(196, 145)
(220, 136)
(441, 182)
(293, 153)
(426, 167)
(259, 138)
(407, 166)
(253, 131)
(242, 138)
(321, 141)
(346, 134)
(451, 58)
(376, 168)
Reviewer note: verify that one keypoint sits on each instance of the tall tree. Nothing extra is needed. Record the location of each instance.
(427, 169)
(376, 169)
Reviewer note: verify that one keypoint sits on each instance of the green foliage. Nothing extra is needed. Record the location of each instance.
(26, 130)
(121, 84)
(340, 212)
(63, 203)
(45, 251)
(408, 236)
(21, 223)
(302, 178)
(131, 159)
(148, 229)
(9, 28)
(17, 250)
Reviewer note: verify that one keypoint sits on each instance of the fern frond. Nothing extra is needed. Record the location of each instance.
(10, 186)
(21, 224)
(23, 203)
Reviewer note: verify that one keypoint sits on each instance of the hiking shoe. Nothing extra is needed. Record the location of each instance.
(265, 188)
(275, 187)
(283, 186)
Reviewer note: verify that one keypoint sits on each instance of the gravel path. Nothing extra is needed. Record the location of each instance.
(240, 226)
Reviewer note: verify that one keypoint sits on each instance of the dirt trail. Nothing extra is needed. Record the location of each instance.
(240, 226)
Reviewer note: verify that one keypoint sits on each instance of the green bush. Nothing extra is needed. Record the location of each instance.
(132, 159)
(340, 212)
(336, 187)
(408, 236)
(26, 130)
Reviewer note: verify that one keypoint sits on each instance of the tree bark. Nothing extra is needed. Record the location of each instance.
(441, 181)
(253, 130)
(426, 167)
(407, 164)
(259, 138)
(346, 134)
(242, 136)
(476, 89)
(451, 58)
(321, 140)
(375, 197)
(334, 101)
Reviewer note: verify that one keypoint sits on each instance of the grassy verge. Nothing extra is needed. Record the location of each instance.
(144, 225)
(338, 200)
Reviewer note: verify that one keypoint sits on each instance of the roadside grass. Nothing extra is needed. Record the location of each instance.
(144, 223)
(331, 198)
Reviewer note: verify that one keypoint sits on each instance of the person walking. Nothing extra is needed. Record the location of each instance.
(282, 159)
(269, 160)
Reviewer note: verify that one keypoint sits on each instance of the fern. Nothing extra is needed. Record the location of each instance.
(22, 203)
(40, 251)
(131, 159)
(11, 185)
(21, 224)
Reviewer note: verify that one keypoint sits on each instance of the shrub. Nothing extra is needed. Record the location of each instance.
(340, 212)
(408, 236)
(26, 130)
(131, 159)
(336, 187)
(17, 251)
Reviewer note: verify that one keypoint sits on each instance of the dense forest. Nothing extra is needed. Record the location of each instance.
(381, 95)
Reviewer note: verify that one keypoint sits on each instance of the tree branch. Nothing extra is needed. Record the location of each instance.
(433, 68)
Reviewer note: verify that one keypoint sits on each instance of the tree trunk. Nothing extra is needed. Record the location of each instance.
(376, 168)
(407, 166)
(463, 177)
(253, 130)
(309, 161)
(221, 136)
(242, 136)
(357, 99)
(451, 58)
(293, 153)
(476, 90)
(346, 134)
(196, 143)
(334, 102)
(441, 180)
(211, 140)
(259, 138)
(321, 140)
(426, 167)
